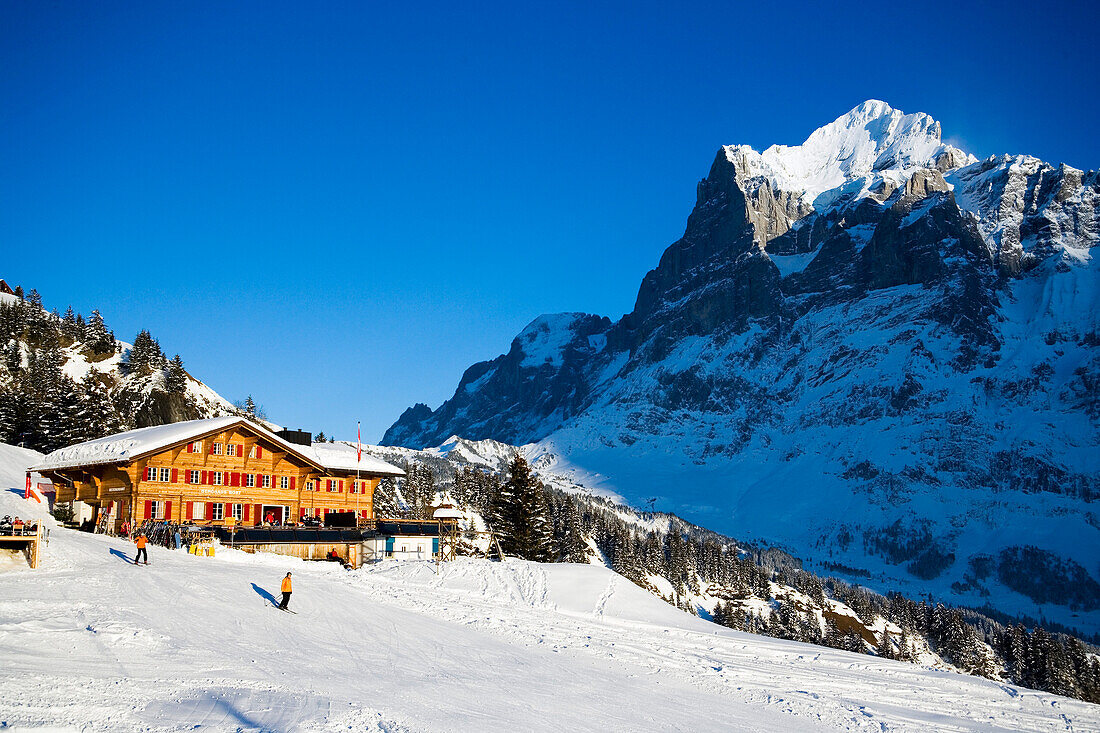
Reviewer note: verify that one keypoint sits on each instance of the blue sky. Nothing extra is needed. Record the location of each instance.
(338, 207)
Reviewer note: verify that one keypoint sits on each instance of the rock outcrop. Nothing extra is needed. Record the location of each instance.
(872, 348)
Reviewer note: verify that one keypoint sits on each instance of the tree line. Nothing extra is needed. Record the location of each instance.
(41, 406)
(540, 523)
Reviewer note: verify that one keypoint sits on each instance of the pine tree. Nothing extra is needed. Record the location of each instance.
(884, 648)
(96, 335)
(386, 503)
(320, 437)
(524, 515)
(572, 546)
(68, 325)
(13, 357)
(97, 414)
(145, 356)
(35, 319)
(249, 405)
(175, 376)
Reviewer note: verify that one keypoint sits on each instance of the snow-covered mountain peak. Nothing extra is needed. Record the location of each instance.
(870, 142)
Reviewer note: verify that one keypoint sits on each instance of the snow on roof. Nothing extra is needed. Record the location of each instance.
(341, 457)
(124, 447)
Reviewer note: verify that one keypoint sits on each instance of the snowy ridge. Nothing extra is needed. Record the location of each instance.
(871, 350)
(872, 141)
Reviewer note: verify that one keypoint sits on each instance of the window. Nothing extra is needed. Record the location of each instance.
(284, 482)
(266, 483)
(231, 449)
(150, 474)
(198, 508)
(156, 510)
(254, 452)
(238, 511)
(166, 474)
(250, 479)
(196, 447)
(309, 486)
(219, 512)
(329, 485)
(196, 476)
(216, 479)
(216, 449)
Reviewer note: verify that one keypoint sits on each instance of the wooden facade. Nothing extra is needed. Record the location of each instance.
(233, 475)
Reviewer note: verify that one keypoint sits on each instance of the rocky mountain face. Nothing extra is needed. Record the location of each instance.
(871, 349)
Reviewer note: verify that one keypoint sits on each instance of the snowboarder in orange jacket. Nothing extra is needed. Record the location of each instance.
(140, 541)
(286, 589)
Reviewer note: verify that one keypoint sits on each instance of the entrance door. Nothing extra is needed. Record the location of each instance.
(273, 514)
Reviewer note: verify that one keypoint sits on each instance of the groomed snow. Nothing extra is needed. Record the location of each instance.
(90, 642)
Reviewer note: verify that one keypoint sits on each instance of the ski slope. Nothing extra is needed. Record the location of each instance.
(91, 642)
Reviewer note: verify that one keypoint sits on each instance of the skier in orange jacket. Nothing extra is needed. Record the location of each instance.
(140, 541)
(286, 589)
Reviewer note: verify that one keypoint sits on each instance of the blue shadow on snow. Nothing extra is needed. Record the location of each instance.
(123, 555)
(264, 594)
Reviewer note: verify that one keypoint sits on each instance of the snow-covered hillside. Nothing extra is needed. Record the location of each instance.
(64, 379)
(91, 642)
(869, 349)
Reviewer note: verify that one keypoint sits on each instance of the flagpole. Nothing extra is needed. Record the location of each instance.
(358, 458)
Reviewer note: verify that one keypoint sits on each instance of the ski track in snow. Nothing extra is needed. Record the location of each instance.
(91, 642)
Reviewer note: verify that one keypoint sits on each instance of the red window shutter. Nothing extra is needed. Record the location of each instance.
(190, 447)
(341, 486)
(257, 514)
(240, 449)
(202, 478)
(211, 447)
(148, 510)
(259, 452)
(168, 510)
(209, 511)
(246, 508)
(175, 475)
(186, 477)
(187, 507)
(292, 483)
(234, 479)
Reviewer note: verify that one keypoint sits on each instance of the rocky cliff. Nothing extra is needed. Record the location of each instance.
(871, 348)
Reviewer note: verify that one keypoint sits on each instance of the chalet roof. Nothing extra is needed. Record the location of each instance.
(341, 457)
(133, 444)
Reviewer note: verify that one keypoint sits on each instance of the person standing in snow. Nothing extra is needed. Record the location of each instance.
(140, 541)
(286, 589)
(178, 538)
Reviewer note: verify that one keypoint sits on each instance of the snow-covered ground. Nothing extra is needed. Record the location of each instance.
(91, 642)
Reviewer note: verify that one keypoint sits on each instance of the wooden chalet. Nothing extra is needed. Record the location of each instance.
(224, 472)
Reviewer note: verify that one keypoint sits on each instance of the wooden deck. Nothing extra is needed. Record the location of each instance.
(20, 538)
